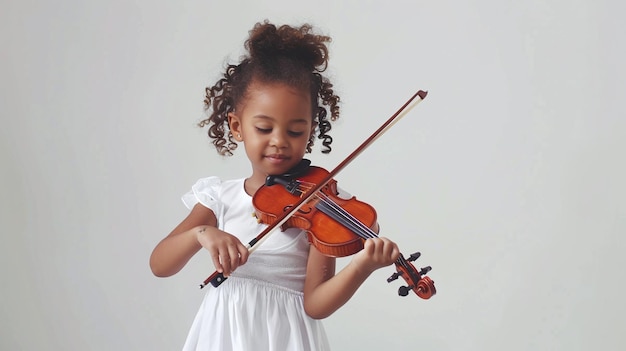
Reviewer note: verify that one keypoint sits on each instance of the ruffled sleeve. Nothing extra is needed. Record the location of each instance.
(206, 191)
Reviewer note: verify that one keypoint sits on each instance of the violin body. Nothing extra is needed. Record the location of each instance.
(330, 236)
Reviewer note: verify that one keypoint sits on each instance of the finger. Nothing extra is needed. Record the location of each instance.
(243, 253)
(395, 253)
(225, 261)
(234, 258)
(215, 256)
(383, 248)
(370, 246)
(387, 247)
(390, 251)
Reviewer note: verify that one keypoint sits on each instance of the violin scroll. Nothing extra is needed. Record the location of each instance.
(417, 281)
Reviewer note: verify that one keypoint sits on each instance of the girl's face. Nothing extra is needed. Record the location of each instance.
(274, 123)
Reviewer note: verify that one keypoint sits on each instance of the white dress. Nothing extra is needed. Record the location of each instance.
(260, 306)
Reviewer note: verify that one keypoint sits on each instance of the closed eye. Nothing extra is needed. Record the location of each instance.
(269, 130)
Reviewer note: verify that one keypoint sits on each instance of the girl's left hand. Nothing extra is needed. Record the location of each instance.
(377, 253)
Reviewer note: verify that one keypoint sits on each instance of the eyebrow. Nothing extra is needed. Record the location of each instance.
(298, 120)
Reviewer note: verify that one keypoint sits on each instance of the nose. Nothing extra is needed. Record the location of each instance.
(279, 139)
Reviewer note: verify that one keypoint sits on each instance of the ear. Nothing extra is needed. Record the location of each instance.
(234, 123)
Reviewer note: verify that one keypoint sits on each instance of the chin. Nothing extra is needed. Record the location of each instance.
(278, 169)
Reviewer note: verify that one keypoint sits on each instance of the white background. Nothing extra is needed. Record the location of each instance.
(509, 177)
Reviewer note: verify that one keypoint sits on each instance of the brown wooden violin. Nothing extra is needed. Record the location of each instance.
(308, 199)
(337, 227)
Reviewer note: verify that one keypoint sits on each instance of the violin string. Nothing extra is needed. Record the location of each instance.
(366, 232)
(361, 229)
(340, 215)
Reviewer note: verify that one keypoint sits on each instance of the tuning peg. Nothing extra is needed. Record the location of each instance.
(404, 290)
(425, 270)
(414, 256)
(394, 277)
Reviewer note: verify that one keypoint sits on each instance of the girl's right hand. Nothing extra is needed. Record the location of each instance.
(226, 250)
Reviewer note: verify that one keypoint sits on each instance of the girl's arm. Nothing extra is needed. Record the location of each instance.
(325, 292)
(194, 232)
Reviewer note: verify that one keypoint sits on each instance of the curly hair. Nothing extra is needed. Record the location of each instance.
(290, 55)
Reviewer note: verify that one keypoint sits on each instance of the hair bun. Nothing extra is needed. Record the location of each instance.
(268, 42)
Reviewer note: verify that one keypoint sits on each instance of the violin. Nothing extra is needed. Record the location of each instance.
(337, 227)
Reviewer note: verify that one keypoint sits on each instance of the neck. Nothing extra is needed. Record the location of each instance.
(251, 185)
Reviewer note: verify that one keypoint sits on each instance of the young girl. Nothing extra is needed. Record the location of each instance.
(274, 102)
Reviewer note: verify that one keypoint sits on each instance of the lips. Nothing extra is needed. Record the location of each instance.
(277, 158)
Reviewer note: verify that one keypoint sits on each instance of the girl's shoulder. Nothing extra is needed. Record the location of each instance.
(209, 190)
(213, 183)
